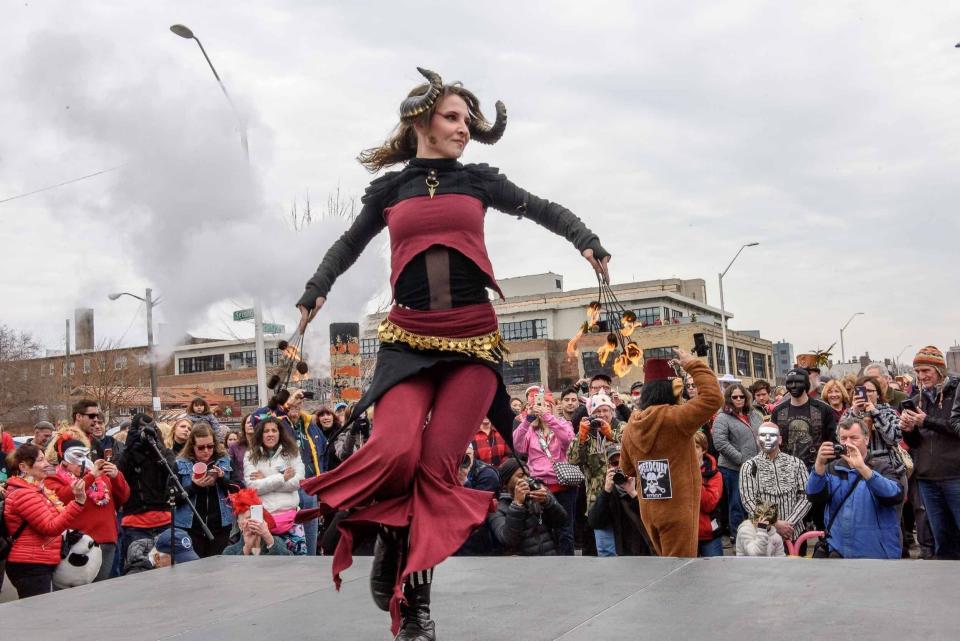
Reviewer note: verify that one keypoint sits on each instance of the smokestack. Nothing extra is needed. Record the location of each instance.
(83, 329)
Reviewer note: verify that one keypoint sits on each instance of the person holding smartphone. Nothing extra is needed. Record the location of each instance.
(204, 467)
(107, 491)
(869, 404)
(254, 523)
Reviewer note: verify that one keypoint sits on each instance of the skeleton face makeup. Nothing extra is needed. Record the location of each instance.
(768, 438)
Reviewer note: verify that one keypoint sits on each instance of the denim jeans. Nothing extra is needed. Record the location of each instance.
(942, 502)
(731, 490)
(568, 499)
(308, 501)
(710, 548)
(606, 542)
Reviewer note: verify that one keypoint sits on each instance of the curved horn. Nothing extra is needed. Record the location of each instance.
(484, 132)
(413, 106)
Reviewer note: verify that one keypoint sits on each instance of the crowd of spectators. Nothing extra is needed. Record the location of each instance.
(872, 463)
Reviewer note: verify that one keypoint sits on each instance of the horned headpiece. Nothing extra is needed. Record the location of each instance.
(480, 129)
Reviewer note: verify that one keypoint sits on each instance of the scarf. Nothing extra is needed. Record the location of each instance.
(50, 494)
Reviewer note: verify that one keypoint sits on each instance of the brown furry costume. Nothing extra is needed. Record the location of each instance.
(660, 440)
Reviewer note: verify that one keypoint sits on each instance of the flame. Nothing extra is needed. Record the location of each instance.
(292, 353)
(572, 345)
(628, 328)
(621, 366)
(604, 351)
(593, 314)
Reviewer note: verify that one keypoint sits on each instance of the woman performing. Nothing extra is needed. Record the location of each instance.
(438, 367)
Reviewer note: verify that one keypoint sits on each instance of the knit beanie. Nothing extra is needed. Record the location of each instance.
(933, 357)
(507, 469)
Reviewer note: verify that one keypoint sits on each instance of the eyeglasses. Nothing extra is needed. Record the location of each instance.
(738, 398)
(203, 448)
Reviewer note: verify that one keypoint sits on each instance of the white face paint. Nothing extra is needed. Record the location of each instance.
(768, 438)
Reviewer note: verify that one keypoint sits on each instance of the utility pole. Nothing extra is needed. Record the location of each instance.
(66, 365)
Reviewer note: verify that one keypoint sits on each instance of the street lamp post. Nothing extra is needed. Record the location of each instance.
(896, 361)
(723, 309)
(843, 354)
(185, 32)
(148, 300)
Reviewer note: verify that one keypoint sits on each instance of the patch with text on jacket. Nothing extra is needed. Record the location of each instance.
(654, 476)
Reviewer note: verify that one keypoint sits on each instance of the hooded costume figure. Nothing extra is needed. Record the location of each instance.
(657, 448)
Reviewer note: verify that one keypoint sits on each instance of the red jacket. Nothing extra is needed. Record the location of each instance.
(99, 521)
(7, 444)
(40, 540)
(709, 495)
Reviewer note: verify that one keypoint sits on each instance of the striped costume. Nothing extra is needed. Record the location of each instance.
(782, 481)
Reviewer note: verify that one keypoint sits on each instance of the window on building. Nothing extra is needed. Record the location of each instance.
(196, 364)
(721, 361)
(23, 374)
(120, 362)
(369, 347)
(50, 370)
(559, 284)
(592, 366)
(86, 366)
(243, 394)
(675, 313)
(743, 362)
(648, 315)
(770, 365)
(522, 372)
(659, 352)
(524, 330)
(240, 360)
(273, 356)
(43, 370)
(72, 368)
(759, 366)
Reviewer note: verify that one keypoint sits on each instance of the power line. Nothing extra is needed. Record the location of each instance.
(67, 182)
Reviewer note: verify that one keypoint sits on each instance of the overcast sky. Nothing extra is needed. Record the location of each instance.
(827, 132)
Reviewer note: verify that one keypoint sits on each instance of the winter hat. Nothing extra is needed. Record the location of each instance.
(932, 357)
(507, 469)
(597, 401)
(181, 547)
(657, 369)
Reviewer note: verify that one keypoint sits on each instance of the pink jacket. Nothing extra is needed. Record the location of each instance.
(525, 441)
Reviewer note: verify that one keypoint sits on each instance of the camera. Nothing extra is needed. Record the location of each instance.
(700, 347)
(619, 478)
(839, 450)
(595, 424)
(465, 461)
(534, 484)
(584, 387)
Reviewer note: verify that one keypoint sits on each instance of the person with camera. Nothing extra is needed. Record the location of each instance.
(658, 448)
(527, 514)
(930, 421)
(147, 512)
(544, 438)
(602, 384)
(758, 535)
(254, 524)
(272, 466)
(107, 491)
(870, 405)
(35, 518)
(861, 495)
(617, 509)
(302, 427)
(474, 474)
(204, 468)
(773, 477)
(588, 452)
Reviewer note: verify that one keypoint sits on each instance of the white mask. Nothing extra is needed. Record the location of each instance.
(767, 438)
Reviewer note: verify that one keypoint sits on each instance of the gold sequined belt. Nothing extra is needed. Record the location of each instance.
(489, 347)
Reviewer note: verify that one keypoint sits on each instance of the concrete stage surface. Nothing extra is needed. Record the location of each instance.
(520, 599)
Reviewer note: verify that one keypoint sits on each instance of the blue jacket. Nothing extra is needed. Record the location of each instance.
(183, 516)
(867, 526)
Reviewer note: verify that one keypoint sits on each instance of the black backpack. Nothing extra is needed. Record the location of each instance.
(6, 538)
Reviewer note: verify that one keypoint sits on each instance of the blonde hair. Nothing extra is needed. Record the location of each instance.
(829, 387)
(700, 439)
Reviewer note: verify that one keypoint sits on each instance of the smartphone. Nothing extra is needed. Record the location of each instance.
(908, 404)
(256, 513)
(108, 453)
(212, 470)
(861, 392)
(700, 347)
(83, 468)
(540, 397)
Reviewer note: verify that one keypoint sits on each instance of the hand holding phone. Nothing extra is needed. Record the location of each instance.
(256, 513)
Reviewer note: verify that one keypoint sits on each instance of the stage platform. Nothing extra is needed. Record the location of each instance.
(515, 599)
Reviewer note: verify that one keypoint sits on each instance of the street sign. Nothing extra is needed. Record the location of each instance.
(243, 314)
(273, 328)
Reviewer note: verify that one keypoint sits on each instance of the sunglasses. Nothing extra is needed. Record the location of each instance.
(738, 398)
(203, 448)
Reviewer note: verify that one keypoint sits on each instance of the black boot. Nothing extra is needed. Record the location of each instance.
(390, 546)
(416, 624)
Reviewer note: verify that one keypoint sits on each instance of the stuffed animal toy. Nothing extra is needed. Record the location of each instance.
(82, 563)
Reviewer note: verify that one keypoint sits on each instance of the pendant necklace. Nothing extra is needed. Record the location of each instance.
(432, 182)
